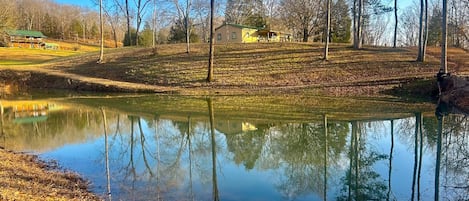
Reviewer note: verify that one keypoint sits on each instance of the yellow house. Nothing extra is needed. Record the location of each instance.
(267, 35)
(235, 33)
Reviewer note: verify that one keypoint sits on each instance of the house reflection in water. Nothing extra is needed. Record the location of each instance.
(27, 111)
(230, 127)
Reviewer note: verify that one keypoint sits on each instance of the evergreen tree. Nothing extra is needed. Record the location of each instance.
(341, 22)
(177, 34)
(129, 40)
(434, 27)
(146, 36)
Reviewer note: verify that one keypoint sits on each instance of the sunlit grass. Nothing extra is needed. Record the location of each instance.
(260, 65)
(26, 56)
(254, 66)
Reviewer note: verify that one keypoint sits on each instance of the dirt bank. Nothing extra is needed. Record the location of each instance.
(455, 91)
(25, 177)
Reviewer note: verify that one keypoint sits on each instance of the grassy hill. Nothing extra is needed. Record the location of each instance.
(259, 68)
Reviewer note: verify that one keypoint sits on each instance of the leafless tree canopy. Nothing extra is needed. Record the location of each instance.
(305, 19)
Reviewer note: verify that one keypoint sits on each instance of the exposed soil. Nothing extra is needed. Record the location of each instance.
(25, 177)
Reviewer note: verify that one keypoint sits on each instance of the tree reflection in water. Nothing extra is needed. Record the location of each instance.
(214, 152)
(106, 151)
(361, 180)
(193, 156)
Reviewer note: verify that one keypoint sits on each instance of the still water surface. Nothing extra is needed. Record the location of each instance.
(247, 148)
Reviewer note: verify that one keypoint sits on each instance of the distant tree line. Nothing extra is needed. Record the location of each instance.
(150, 22)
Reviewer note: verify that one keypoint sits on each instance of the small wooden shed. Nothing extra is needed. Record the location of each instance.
(25, 38)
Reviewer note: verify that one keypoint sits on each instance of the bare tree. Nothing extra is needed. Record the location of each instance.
(101, 29)
(444, 43)
(395, 24)
(113, 15)
(271, 10)
(328, 29)
(183, 13)
(125, 8)
(409, 26)
(141, 5)
(202, 15)
(303, 17)
(357, 23)
(153, 25)
(6, 15)
(423, 30)
(212, 38)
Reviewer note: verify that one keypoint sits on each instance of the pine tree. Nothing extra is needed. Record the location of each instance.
(341, 22)
(434, 27)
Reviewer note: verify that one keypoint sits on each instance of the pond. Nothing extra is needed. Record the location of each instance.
(246, 147)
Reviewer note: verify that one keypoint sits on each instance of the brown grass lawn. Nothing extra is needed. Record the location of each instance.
(263, 66)
(257, 67)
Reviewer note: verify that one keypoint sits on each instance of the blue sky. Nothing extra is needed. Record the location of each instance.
(87, 3)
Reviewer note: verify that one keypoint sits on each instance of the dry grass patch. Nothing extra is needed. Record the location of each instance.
(259, 65)
(24, 177)
(29, 56)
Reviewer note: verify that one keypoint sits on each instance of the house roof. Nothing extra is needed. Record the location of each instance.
(26, 33)
(238, 26)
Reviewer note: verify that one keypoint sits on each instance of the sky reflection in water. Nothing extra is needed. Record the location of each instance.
(168, 154)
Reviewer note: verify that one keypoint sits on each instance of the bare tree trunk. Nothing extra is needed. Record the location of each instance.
(395, 25)
(444, 39)
(420, 57)
(358, 39)
(101, 29)
(188, 30)
(212, 48)
(328, 29)
(355, 24)
(140, 14)
(425, 32)
(305, 35)
(129, 34)
(153, 24)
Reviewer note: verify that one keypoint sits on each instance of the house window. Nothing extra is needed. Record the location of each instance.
(219, 36)
(233, 35)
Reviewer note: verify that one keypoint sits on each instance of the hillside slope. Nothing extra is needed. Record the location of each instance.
(254, 68)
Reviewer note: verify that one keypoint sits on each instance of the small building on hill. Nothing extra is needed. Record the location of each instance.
(25, 38)
(268, 35)
(235, 33)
